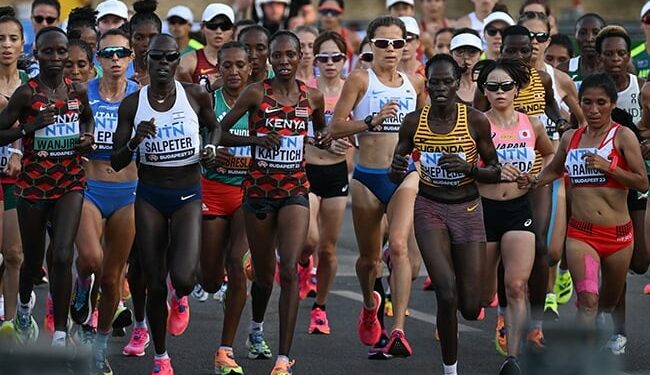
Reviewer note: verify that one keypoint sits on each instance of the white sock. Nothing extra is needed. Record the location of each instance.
(561, 271)
(2, 305)
(142, 324)
(226, 348)
(162, 356)
(255, 326)
(58, 339)
(501, 310)
(282, 358)
(450, 369)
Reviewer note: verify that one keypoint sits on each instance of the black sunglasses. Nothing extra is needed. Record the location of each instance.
(495, 86)
(646, 19)
(40, 19)
(530, 14)
(223, 25)
(384, 43)
(323, 58)
(541, 37)
(329, 12)
(109, 52)
(493, 31)
(177, 21)
(366, 57)
(170, 56)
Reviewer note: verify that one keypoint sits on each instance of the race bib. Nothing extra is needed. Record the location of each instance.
(4, 157)
(392, 124)
(239, 163)
(105, 125)
(173, 142)
(58, 139)
(521, 158)
(576, 167)
(288, 157)
(433, 174)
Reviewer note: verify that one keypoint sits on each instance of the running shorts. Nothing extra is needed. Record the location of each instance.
(165, 200)
(220, 199)
(328, 181)
(263, 206)
(463, 221)
(501, 217)
(606, 240)
(110, 197)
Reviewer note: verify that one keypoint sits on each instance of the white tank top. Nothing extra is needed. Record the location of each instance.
(379, 95)
(628, 99)
(551, 127)
(177, 141)
(476, 24)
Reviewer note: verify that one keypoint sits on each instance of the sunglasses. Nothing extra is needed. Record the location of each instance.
(646, 19)
(493, 31)
(335, 57)
(109, 52)
(223, 25)
(384, 43)
(495, 86)
(177, 21)
(530, 14)
(170, 56)
(366, 57)
(411, 37)
(329, 12)
(541, 37)
(40, 19)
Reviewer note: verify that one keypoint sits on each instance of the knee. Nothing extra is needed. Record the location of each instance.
(183, 284)
(470, 309)
(62, 258)
(367, 262)
(447, 298)
(13, 258)
(640, 266)
(516, 289)
(110, 282)
(327, 253)
(211, 284)
(588, 303)
(288, 275)
(398, 249)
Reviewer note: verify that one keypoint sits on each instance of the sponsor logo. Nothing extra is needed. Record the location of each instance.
(528, 222)
(271, 110)
(184, 198)
(344, 189)
(472, 208)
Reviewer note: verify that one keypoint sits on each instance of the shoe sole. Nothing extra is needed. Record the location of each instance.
(317, 331)
(218, 371)
(123, 319)
(381, 355)
(398, 349)
(138, 354)
(258, 356)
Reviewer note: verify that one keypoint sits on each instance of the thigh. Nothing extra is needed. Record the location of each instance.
(469, 261)
(214, 239)
(584, 265)
(558, 232)
(330, 218)
(614, 275)
(152, 238)
(90, 229)
(367, 216)
(314, 220)
(32, 220)
(518, 254)
(400, 209)
(11, 233)
(185, 239)
(119, 234)
(435, 247)
(262, 240)
(293, 223)
(639, 263)
(66, 215)
(238, 239)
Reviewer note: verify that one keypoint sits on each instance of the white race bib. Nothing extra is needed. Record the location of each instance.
(289, 156)
(576, 167)
(58, 139)
(432, 173)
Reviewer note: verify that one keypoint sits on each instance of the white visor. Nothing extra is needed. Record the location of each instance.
(463, 40)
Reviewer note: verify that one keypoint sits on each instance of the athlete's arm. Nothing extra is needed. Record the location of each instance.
(404, 147)
(186, 67)
(480, 102)
(317, 104)
(18, 103)
(554, 169)
(552, 108)
(206, 113)
(636, 178)
(354, 86)
(480, 130)
(571, 96)
(123, 147)
(542, 142)
(248, 101)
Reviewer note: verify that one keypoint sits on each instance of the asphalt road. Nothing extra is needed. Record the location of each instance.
(341, 352)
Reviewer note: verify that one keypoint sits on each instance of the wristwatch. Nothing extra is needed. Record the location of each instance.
(368, 121)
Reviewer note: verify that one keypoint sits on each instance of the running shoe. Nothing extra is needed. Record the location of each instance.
(500, 337)
(510, 367)
(536, 338)
(550, 307)
(138, 343)
(220, 295)
(224, 363)
(7, 332)
(162, 367)
(388, 307)
(495, 301)
(646, 289)
(283, 368)
(42, 277)
(2, 306)
(318, 322)
(481, 314)
(49, 315)
(26, 328)
(312, 285)
(428, 285)
(122, 318)
(398, 346)
(563, 288)
(126, 290)
(616, 344)
(248, 265)
(81, 306)
(86, 336)
(257, 346)
(199, 294)
(101, 367)
(378, 351)
(304, 274)
(368, 326)
(179, 316)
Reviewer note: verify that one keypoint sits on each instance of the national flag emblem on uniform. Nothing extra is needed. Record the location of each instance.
(73, 104)
(524, 134)
(302, 112)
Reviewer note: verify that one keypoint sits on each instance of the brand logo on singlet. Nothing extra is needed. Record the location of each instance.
(531, 108)
(431, 172)
(288, 156)
(58, 139)
(576, 167)
(172, 142)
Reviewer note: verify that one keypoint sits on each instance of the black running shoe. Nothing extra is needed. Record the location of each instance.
(81, 307)
(510, 367)
(379, 350)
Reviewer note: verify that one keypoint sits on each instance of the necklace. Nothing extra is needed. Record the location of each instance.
(161, 99)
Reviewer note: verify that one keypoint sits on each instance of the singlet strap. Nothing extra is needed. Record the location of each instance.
(610, 136)
(423, 121)
(638, 50)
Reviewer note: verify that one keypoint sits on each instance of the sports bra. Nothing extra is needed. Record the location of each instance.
(576, 166)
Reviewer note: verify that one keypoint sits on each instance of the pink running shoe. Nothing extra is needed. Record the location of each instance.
(49, 315)
(138, 343)
(318, 322)
(179, 316)
(397, 345)
(304, 274)
(481, 315)
(428, 285)
(368, 327)
(495, 301)
(646, 289)
(162, 367)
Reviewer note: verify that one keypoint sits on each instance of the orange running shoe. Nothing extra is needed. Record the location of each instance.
(224, 363)
(368, 326)
(536, 338)
(283, 368)
(500, 338)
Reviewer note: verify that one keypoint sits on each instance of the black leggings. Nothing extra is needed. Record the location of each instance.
(64, 214)
(167, 246)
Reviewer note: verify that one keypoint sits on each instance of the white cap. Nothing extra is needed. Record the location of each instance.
(217, 9)
(466, 40)
(645, 9)
(114, 7)
(411, 25)
(390, 3)
(286, 2)
(181, 11)
(498, 16)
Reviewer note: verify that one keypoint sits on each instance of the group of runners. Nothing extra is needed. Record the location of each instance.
(175, 168)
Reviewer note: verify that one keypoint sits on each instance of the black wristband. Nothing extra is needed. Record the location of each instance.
(472, 171)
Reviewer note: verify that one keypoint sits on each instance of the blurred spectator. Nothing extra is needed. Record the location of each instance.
(466, 48)
(179, 22)
(81, 25)
(401, 8)
(442, 40)
(640, 54)
(433, 19)
(272, 14)
(542, 7)
(330, 12)
(44, 13)
(410, 63)
(474, 20)
(495, 23)
(307, 36)
(111, 14)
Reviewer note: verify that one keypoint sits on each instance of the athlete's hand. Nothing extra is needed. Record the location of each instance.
(13, 165)
(398, 168)
(509, 173)
(597, 162)
(271, 140)
(387, 111)
(84, 146)
(645, 150)
(340, 146)
(453, 163)
(223, 156)
(525, 181)
(44, 118)
(323, 140)
(207, 158)
(145, 129)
